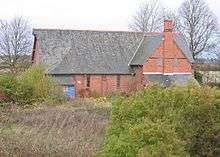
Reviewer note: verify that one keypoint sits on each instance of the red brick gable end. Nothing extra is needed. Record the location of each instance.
(168, 58)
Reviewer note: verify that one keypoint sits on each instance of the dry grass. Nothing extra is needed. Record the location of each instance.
(74, 129)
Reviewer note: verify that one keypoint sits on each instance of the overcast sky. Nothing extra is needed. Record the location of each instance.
(82, 14)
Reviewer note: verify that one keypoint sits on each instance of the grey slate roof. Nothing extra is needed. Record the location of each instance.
(182, 44)
(145, 49)
(97, 52)
(76, 51)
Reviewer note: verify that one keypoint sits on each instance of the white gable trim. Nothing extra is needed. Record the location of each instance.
(152, 73)
(183, 73)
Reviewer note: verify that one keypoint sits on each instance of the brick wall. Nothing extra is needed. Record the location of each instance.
(104, 84)
(35, 51)
(152, 64)
(168, 57)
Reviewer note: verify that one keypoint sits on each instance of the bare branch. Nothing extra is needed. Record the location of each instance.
(15, 42)
(148, 18)
(198, 24)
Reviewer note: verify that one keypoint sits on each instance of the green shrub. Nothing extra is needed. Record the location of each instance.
(3, 103)
(7, 87)
(95, 94)
(56, 94)
(200, 122)
(34, 86)
(213, 84)
(155, 122)
(198, 76)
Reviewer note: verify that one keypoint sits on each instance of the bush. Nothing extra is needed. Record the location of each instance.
(213, 84)
(95, 94)
(198, 76)
(32, 86)
(7, 87)
(155, 122)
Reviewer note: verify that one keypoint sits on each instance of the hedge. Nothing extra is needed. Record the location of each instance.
(165, 122)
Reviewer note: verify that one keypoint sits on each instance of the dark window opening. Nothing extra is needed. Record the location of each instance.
(87, 81)
(118, 81)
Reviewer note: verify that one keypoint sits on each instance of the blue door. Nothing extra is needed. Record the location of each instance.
(70, 91)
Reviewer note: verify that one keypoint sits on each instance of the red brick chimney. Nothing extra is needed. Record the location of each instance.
(168, 25)
(168, 38)
(168, 46)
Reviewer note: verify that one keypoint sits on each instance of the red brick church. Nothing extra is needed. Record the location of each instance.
(110, 61)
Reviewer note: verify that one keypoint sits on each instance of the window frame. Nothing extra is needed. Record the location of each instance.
(118, 81)
(88, 81)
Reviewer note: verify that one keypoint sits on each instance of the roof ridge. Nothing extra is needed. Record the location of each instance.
(90, 30)
(147, 49)
(96, 30)
(101, 30)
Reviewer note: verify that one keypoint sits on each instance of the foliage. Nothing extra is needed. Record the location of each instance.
(8, 129)
(107, 97)
(32, 86)
(198, 76)
(7, 87)
(164, 122)
(213, 84)
(96, 95)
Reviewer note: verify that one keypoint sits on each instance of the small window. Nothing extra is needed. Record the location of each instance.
(87, 81)
(118, 81)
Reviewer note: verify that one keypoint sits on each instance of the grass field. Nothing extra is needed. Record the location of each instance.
(74, 129)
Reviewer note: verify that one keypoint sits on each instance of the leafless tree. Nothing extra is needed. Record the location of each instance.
(148, 18)
(15, 43)
(217, 50)
(199, 25)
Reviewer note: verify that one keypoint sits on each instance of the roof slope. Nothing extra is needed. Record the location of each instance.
(145, 49)
(182, 44)
(98, 52)
(150, 43)
(76, 51)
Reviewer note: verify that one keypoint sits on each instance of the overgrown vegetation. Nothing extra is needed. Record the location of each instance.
(198, 76)
(165, 122)
(30, 87)
(76, 128)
